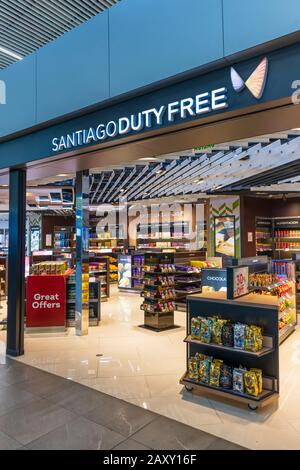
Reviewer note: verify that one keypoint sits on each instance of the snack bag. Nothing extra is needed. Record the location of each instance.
(238, 380)
(258, 373)
(226, 376)
(205, 330)
(239, 336)
(193, 366)
(215, 371)
(250, 383)
(228, 335)
(195, 328)
(253, 338)
(204, 370)
(216, 330)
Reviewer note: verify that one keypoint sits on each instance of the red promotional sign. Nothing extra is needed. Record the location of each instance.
(45, 301)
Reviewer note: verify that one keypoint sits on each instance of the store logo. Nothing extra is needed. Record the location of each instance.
(255, 83)
(2, 92)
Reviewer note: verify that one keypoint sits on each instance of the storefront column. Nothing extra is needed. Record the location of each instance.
(16, 263)
(82, 253)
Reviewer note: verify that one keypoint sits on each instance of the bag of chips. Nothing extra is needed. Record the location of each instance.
(259, 377)
(193, 368)
(195, 328)
(215, 371)
(226, 376)
(228, 335)
(239, 336)
(205, 330)
(216, 330)
(204, 370)
(250, 383)
(253, 338)
(238, 380)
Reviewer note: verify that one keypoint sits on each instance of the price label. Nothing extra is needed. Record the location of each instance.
(240, 281)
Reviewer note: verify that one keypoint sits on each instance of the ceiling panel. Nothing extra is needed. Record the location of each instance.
(26, 25)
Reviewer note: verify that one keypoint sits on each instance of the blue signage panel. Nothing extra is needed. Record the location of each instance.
(214, 280)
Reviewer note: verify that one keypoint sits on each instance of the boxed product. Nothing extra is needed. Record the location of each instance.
(259, 377)
(251, 383)
(238, 380)
(216, 329)
(226, 376)
(204, 370)
(253, 338)
(239, 336)
(195, 327)
(228, 335)
(205, 330)
(215, 371)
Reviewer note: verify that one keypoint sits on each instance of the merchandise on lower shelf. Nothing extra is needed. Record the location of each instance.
(94, 295)
(227, 357)
(216, 373)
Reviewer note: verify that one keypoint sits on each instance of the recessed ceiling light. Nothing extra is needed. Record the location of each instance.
(148, 159)
(199, 181)
(10, 53)
(122, 190)
(159, 172)
(63, 174)
(219, 187)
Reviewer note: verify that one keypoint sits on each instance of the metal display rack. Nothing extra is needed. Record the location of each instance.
(245, 310)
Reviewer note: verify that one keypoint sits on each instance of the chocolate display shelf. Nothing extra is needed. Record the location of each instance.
(250, 309)
(265, 350)
(155, 319)
(266, 397)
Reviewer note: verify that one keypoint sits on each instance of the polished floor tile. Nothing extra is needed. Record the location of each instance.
(80, 400)
(165, 434)
(79, 434)
(11, 397)
(131, 444)
(28, 422)
(7, 443)
(122, 417)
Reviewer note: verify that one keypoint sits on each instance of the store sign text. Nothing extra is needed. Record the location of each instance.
(201, 104)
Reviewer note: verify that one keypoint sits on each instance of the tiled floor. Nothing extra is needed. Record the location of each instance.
(143, 368)
(41, 411)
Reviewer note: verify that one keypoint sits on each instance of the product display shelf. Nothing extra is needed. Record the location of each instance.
(64, 238)
(186, 283)
(160, 235)
(99, 268)
(158, 310)
(263, 236)
(249, 310)
(267, 347)
(94, 302)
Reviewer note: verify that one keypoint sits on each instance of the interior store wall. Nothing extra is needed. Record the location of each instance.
(224, 206)
(51, 221)
(252, 207)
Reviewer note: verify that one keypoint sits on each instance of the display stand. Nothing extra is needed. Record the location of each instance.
(94, 301)
(99, 268)
(246, 310)
(158, 293)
